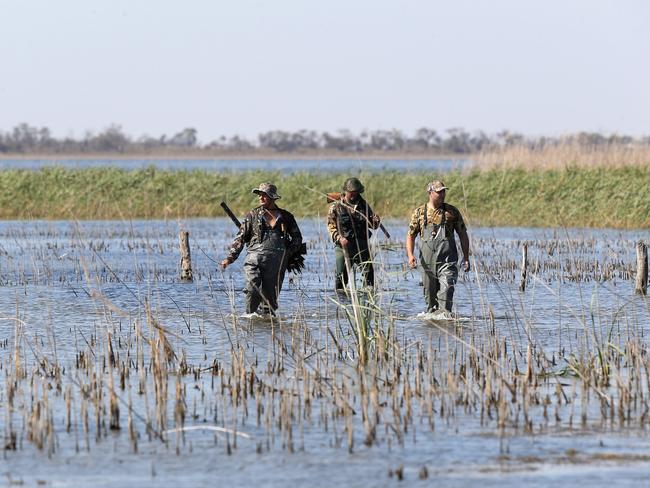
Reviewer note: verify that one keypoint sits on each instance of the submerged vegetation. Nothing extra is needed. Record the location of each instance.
(155, 369)
(571, 196)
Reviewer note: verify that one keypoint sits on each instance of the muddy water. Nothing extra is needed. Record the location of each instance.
(65, 284)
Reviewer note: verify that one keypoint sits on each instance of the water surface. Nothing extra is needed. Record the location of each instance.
(66, 284)
(283, 166)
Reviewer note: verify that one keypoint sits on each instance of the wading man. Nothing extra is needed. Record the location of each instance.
(271, 235)
(436, 222)
(349, 222)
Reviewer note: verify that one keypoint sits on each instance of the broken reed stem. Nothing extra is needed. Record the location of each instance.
(524, 267)
(641, 283)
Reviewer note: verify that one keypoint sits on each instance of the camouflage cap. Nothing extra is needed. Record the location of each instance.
(436, 185)
(269, 189)
(353, 184)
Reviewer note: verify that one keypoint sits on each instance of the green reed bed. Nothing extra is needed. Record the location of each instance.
(592, 197)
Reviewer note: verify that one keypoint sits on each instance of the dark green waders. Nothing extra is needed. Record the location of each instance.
(265, 265)
(439, 257)
(359, 255)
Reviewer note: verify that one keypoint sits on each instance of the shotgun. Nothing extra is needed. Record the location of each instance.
(296, 262)
(229, 213)
(336, 196)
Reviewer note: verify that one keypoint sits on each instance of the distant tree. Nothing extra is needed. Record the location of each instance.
(507, 138)
(426, 139)
(185, 138)
(148, 143)
(24, 138)
(111, 140)
(458, 141)
(307, 139)
(479, 141)
(343, 141)
(277, 140)
(237, 143)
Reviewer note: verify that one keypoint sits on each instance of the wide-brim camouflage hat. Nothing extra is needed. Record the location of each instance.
(436, 185)
(269, 189)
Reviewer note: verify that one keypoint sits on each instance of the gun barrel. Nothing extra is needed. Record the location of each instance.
(229, 213)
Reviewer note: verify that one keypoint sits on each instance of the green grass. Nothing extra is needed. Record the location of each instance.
(593, 197)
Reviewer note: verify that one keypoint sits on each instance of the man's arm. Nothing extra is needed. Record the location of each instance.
(410, 247)
(242, 237)
(461, 230)
(411, 234)
(333, 225)
(464, 246)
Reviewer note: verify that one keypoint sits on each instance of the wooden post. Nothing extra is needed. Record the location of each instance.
(524, 266)
(641, 287)
(186, 261)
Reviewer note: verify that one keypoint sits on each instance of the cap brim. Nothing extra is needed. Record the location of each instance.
(260, 192)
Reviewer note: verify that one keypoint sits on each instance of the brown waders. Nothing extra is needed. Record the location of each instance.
(439, 257)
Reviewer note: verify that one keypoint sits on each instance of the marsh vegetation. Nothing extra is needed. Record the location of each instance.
(571, 196)
(108, 358)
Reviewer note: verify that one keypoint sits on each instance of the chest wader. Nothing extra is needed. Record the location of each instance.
(439, 257)
(265, 265)
(359, 255)
(353, 226)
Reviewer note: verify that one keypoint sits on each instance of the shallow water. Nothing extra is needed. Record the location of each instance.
(65, 284)
(234, 165)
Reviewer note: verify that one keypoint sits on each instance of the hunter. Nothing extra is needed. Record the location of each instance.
(349, 222)
(271, 235)
(436, 222)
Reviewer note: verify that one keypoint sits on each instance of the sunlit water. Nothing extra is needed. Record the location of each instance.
(66, 281)
(283, 166)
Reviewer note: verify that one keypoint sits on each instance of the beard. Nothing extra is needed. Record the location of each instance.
(354, 199)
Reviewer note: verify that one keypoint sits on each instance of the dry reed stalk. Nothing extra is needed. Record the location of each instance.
(562, 156)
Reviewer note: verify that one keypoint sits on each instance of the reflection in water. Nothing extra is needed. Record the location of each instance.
(105, 297)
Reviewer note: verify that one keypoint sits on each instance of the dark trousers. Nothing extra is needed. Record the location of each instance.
(264, 277)
(359, 256)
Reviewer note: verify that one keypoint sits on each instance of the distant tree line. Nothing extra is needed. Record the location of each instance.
(25, 139)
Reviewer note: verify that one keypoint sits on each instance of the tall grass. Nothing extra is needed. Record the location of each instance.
(524, 196)
(564, 155)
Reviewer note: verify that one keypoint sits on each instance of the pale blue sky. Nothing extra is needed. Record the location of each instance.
(244, 66)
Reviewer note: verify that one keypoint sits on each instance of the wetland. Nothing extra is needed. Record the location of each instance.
(117, 372)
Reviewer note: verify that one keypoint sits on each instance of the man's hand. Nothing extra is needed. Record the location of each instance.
(466, 266)
(344, 242)
(224, 264)
(375, 220)
(412, 262)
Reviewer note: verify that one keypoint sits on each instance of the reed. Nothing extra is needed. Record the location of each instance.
(355, 381)
(570, 196)
(558, 156)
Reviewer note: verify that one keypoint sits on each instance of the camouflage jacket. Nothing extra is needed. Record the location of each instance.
(453, 220)
(350, 221)
(254, 228)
